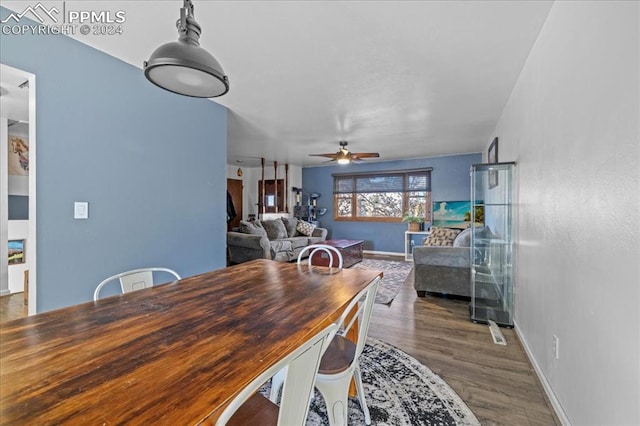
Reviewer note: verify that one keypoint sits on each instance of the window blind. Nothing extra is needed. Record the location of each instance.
(383, 182)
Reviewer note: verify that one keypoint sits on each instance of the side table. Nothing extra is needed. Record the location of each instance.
(408, 248)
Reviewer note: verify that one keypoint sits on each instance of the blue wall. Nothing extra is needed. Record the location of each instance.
(150, 163)
(449, 182)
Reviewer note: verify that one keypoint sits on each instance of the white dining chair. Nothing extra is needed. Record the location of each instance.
(301, 367)
(340, 362)
(135, 279)
(321, 248)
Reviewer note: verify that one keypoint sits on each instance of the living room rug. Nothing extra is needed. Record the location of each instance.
(395, 274)
(399, 390)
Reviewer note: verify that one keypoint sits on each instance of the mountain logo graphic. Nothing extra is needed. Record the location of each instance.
(37, 11)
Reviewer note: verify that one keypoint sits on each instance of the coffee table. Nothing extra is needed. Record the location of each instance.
(351, 251)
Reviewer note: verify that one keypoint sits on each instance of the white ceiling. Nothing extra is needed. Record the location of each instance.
(403, 78)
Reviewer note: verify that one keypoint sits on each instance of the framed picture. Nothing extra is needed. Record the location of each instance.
(18, 161)
(492, 159)
(16, 252)
(451, 214)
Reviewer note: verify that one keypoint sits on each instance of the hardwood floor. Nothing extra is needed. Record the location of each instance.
(496, 382)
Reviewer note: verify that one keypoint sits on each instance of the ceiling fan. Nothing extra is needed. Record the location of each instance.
(344, 156)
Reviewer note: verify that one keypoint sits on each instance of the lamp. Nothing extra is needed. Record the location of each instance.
(343, 157)
(182, 66)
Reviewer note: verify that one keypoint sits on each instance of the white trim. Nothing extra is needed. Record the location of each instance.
(384, 253)
(33, 262)
(4, 209)
(557, 407)
(32, 187)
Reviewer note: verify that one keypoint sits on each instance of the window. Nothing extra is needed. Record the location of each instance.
(382, 196)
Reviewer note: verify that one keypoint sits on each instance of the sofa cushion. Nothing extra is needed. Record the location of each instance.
(275, 229)
(316, 240)
(290, 224)
(305, 228)
(254, 228)
(442, 237)
(298, 242)
(280, 248)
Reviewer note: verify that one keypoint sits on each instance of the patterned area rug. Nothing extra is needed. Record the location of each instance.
(399, 390)
(395, 274)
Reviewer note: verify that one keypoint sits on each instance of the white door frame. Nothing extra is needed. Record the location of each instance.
(32, 247)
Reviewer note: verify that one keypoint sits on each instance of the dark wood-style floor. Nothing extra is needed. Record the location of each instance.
(496, 382)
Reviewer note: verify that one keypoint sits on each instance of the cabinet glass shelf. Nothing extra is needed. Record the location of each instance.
(492, 244)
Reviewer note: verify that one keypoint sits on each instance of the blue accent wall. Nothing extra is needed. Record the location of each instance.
(150, 163)
(449, 182)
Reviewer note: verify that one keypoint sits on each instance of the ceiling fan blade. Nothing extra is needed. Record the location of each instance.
(333, 156)
(358, 155)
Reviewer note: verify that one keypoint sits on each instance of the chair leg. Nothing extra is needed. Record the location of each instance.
(360, 389)
(335, 393)
(276, 385)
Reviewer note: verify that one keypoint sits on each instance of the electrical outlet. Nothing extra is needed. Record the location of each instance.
(556, 347)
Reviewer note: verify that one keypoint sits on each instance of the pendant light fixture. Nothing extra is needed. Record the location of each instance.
(183, 66)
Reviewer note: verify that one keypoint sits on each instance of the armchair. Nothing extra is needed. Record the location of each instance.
(445, 267)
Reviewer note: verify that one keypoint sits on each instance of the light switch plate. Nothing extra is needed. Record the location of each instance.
(81, 210)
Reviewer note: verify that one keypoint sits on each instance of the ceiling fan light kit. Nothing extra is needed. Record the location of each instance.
(344, 156)
(182, 66)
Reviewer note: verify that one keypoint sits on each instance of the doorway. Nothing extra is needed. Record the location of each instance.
(234, 190)
(273, 196)
(18, 128)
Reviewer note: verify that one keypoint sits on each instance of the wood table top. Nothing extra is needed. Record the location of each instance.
(175, 353)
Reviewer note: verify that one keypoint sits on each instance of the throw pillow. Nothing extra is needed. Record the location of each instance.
(290, 223)
(463, 239)
(254, 228)
(305, 228)
(275, 229)
(441, 237)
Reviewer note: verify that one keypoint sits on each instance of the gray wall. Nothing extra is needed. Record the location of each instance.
(450, 181)
(572, 123)
(150, 163)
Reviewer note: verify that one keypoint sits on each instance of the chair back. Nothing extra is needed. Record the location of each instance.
(133, 280)
(315, 248)
(301, 368)
(359, 308)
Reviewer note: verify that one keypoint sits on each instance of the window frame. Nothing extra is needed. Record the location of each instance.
(405, 194)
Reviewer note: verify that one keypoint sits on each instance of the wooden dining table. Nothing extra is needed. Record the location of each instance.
(175, 353)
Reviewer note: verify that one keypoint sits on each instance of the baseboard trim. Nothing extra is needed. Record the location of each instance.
(557, 407)
(384, 253)
(4, 292)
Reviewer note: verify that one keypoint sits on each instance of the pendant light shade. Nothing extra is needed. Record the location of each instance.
(183, 66)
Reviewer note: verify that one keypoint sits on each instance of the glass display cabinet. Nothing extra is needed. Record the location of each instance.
(492, 243)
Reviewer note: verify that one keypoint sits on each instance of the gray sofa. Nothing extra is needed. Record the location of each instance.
(444, 269)
(278, 239)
